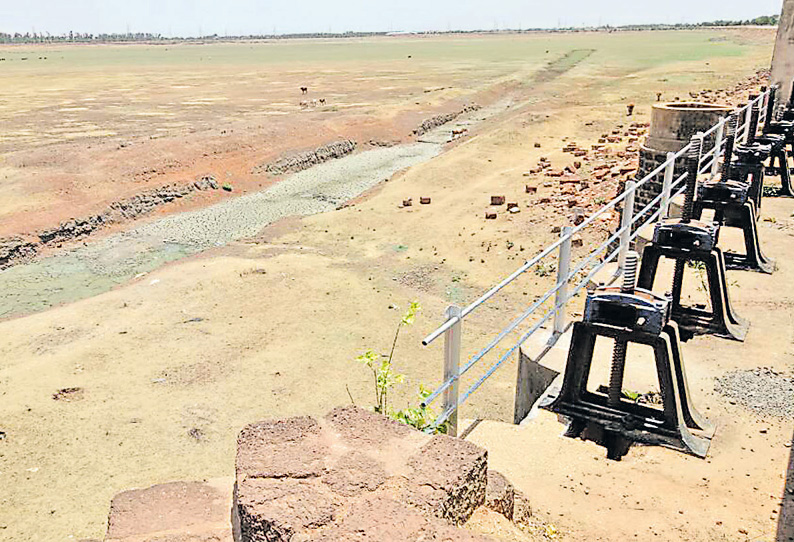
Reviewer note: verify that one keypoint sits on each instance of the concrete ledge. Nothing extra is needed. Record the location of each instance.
(540, 363)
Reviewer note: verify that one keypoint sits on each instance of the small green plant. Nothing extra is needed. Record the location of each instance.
(227, 187)
(700, 271)
(419, 417)
(600, 200)
(544, 270)
(631, 395)
(385, 378)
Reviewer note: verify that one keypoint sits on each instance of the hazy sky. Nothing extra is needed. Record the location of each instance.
(189, 17)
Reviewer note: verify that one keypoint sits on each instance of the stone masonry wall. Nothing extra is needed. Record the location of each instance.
(650, 160)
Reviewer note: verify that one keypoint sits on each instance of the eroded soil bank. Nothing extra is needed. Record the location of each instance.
(102, 264)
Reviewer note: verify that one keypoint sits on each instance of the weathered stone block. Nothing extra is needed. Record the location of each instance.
(449, 477)
(380, 519)
(275, 509)
(290, 448)
(354, 475)
(173, 512)
(499, 494)
(357, 426)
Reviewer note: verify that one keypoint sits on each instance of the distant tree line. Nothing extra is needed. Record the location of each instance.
(78, 37)
(46, 37)
(764, 20)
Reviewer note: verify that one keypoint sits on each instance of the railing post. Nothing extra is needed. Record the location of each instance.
(764, 101)
(747, 121)
(452, 338)
(715, 159)
(563, 268)
(625, 224)
(667, 186)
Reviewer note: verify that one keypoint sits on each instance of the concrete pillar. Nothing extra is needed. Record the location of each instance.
(672, 124)
(783, 57)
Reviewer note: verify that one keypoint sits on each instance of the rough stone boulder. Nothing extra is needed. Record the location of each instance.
(15, 248)
(354, 475)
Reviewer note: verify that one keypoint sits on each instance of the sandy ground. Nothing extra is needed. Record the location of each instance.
(171, 365)
(91, 125)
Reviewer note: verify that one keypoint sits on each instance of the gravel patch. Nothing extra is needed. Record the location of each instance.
(421, 278)
(765, 391)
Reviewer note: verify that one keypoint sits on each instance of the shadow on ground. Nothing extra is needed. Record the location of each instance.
(785, 528)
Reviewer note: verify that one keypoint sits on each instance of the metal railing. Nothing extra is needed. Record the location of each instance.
(571, 278)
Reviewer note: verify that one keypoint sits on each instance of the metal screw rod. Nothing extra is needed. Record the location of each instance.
(770, 107)
(693, 156)
(730, 141)
(755, 110)
(619, 350)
